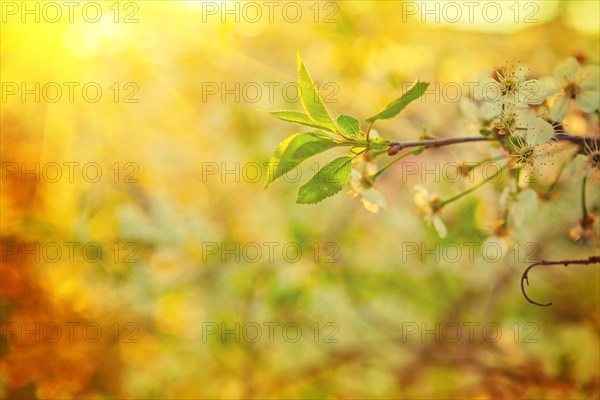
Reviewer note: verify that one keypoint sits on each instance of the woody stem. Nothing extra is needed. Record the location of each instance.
(448, 141)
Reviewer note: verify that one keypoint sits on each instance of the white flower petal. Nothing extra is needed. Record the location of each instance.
(532, 92)
(421, 197)
(525, 117)
(588, 100)
(488, 89)
(504, 197)
(567, 70)
(552, 86)
(439, 226)
(355, 181)
(491, 110)
(539, 132)
(512, 185)
(373, 200)
(526, 203)
(521, 73)
(590, 77)
(579, 167)
(560, 108)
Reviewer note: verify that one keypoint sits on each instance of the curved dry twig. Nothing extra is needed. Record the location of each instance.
(525, 278)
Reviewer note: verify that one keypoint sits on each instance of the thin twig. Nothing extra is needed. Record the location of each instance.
(480, 184)
(525, 278)
(368, 133)
(577, 139)
(447, 141)
(559, 173)
(439, 142)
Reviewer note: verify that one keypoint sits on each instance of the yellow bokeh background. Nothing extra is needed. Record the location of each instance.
(158, 131)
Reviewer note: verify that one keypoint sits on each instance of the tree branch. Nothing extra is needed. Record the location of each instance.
(397, 146)
(438, 142)
(577, 139)
(525, 278)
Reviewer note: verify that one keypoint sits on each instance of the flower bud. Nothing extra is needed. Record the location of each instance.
(394, 149)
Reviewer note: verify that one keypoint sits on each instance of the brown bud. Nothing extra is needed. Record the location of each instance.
(394, 149)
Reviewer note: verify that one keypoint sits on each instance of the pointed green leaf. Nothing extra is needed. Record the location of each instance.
(414, 92)
(379, 143)
(294, 150)
(328, 181)
(350, 126)
(311, 101)
(299, 118)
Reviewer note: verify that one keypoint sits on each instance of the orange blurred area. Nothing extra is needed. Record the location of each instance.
(141, 257)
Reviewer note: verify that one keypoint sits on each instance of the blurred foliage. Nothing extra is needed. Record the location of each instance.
(174, 209)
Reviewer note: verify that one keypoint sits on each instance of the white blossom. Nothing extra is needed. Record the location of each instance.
(511, 87)
(428, 205)
(573, 82)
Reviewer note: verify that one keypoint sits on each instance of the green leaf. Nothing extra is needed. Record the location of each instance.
(311, 101)
(349, 125)
(378, 143)
(422, 137)
(414, 92)
(299, 118)
(294, 150)
(328, 181)
(419, 151)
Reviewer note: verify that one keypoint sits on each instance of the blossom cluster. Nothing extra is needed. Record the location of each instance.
(525, 116)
